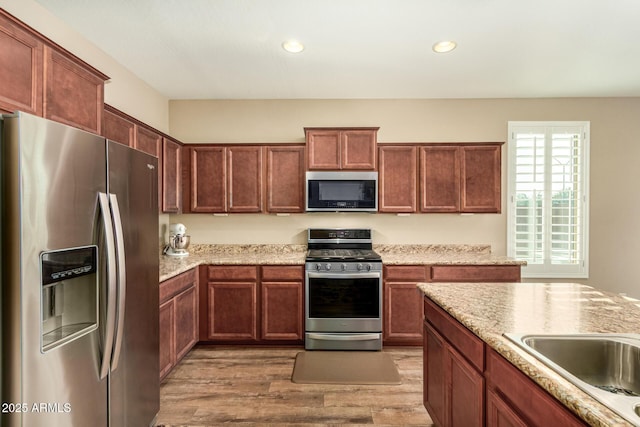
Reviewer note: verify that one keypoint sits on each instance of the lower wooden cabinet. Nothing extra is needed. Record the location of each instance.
(467, 383)
(254, 304)
(402, 305)
(282, 298)
(513, 399)
(453, 382)
(475, 273)
(500, 414)
(232, 303)
(402, 309)
(178, 319)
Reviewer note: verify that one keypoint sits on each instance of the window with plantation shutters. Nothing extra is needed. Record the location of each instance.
(548, 189)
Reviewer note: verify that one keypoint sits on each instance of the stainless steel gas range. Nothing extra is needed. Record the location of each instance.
(343, 291)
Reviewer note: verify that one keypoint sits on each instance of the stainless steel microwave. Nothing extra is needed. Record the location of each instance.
(342, 191)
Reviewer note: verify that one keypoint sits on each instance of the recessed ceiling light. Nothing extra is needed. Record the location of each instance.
(293, 46)
(444, 46)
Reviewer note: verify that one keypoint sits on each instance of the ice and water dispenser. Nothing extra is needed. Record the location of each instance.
(69, 302)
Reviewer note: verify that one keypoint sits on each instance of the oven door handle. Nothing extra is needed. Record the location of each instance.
(314, 275)
(343, 337)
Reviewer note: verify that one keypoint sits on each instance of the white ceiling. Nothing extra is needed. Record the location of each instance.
(231, 49)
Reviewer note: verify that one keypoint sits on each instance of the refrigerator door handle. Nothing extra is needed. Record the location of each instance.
(122, 279)
(111, 285)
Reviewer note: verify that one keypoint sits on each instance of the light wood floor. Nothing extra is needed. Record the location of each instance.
(252, 387)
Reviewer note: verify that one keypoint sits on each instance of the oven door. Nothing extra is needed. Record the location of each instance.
(343, 302)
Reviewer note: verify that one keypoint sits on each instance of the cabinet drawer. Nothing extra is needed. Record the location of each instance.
(475, 273)
(465, 342)
(282, 273)
(403, 273)
(172, 287)
(232, 272)
(526, 398)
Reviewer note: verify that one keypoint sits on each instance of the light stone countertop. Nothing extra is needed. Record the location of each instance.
(491, 309)
(232, 255)
(441, 255)
(282, 254)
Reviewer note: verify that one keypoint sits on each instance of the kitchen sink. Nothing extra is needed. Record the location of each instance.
(605, 366)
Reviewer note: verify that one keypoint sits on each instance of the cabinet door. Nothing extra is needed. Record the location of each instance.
(245, 179)
(118, 128)
(167, 337)
(402, 313)
(74, 95)
(282, 311)
(21, 68)
(465, 401)
(481, 179)
(500, 414)
(148, 141)
(323, 149)
(285, 179)
(171, 176)
(186, 321)
(440, 179)
(232, 311)
(358, 149)
(208, 179)
(434, 375)
(398, 178)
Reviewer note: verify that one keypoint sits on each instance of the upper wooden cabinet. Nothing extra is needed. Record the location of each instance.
(171, 176)
(244, 185)
(480, 178)
(117, 127)
(39, 77)
(440, 178)
(398, 178)
(149, 141)
(460, 178)
(205, 191)
(74, 93)
(285, 178)
(122, 128)
(224, 179)
(449, 178)
(341, 148)
(21, 68)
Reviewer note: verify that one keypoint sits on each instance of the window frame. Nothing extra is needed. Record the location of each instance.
(548, 270)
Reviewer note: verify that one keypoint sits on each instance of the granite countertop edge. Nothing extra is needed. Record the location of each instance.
(580, 403)
(282, 254)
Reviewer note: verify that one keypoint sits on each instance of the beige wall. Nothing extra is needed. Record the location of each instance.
(615, 148)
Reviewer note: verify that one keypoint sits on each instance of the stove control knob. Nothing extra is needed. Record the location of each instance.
(369, 267)
(328, 266)
(344, 267)
(318, 267)
(360, 267)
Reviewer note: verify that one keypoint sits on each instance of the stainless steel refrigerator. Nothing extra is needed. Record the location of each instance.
(80, 253)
